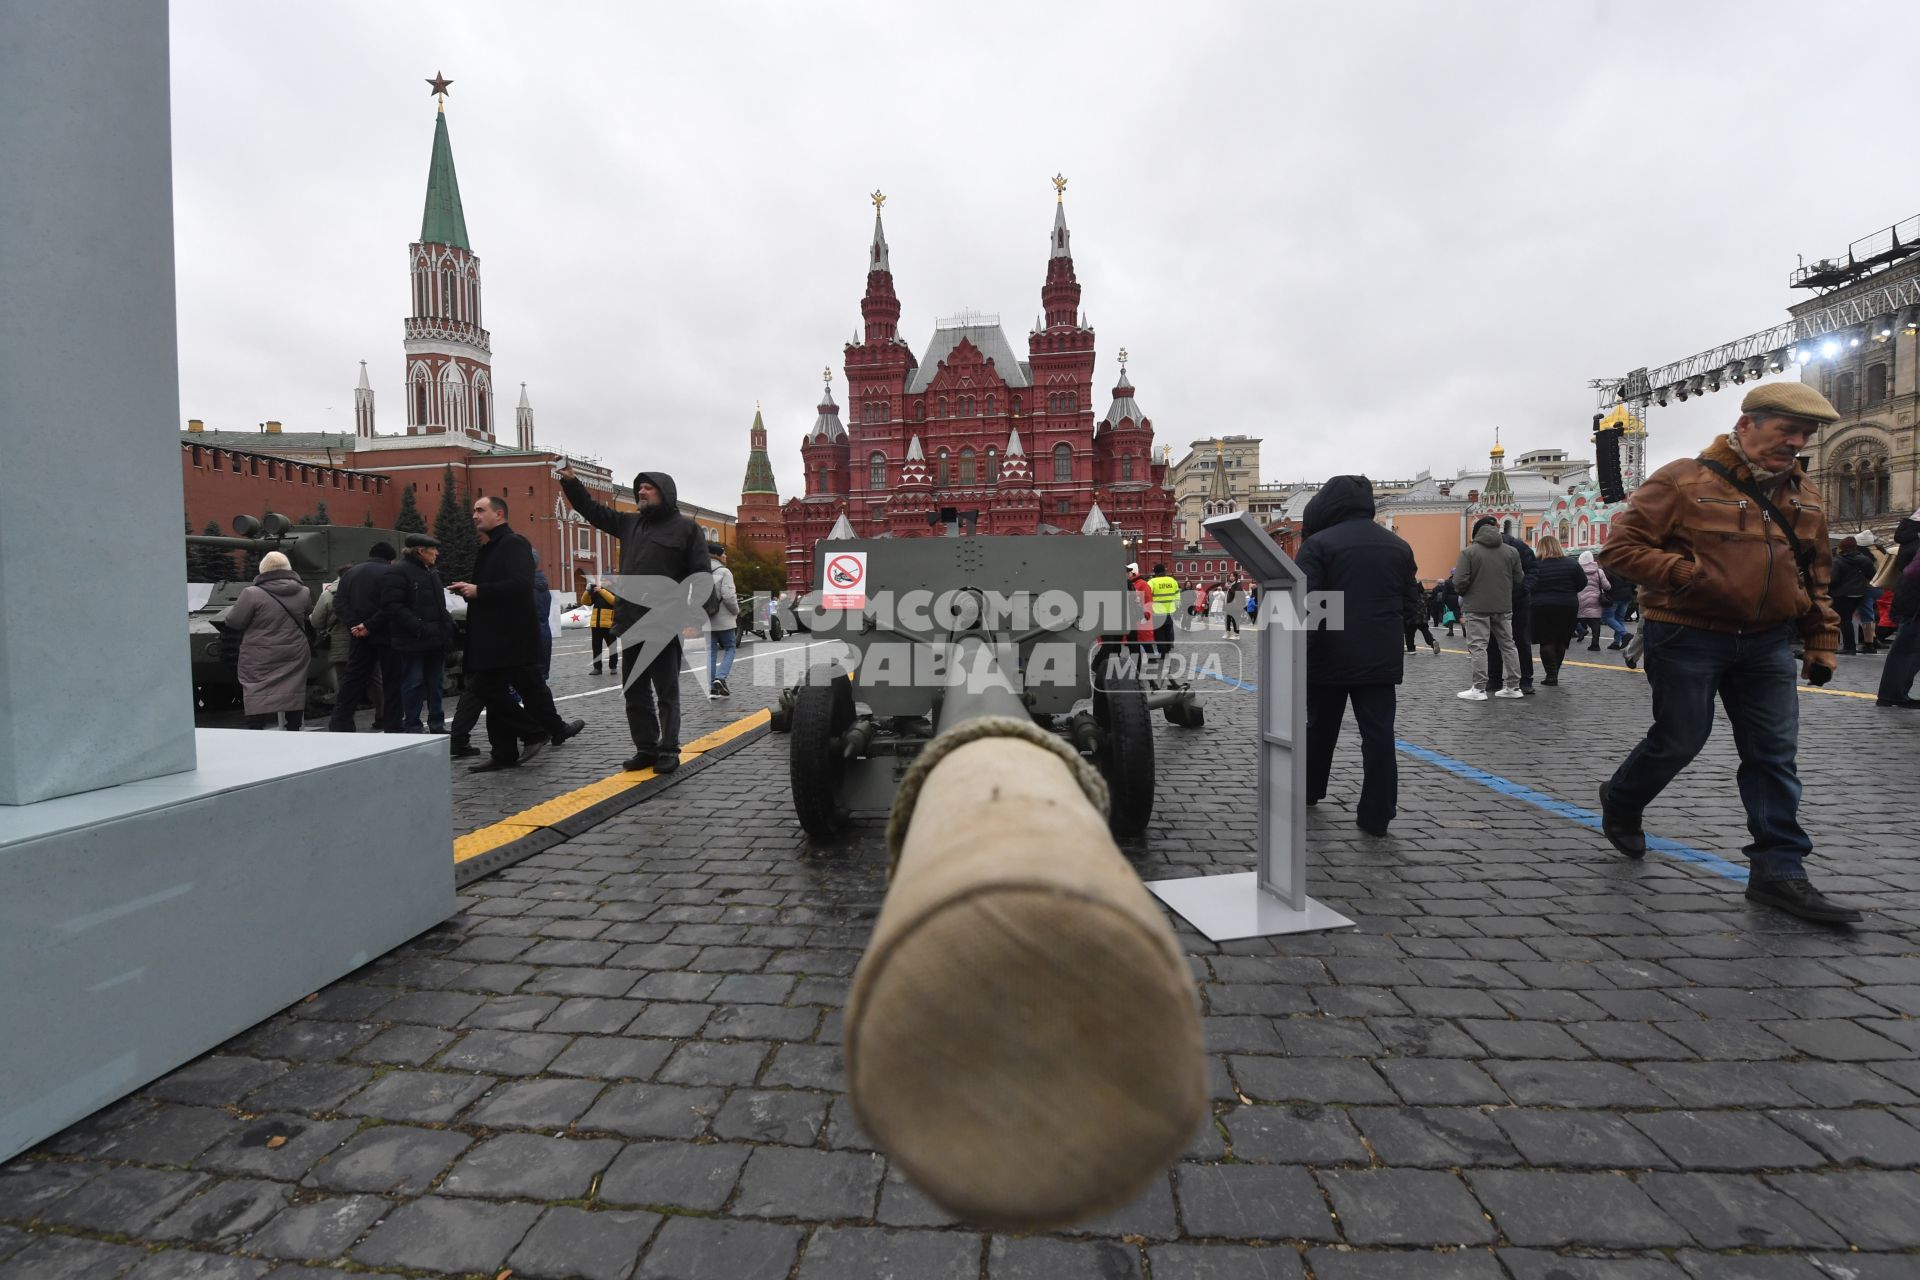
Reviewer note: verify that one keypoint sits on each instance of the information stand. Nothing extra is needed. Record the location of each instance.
(1273, 899)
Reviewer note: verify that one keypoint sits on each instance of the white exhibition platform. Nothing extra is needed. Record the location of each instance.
(143, 924)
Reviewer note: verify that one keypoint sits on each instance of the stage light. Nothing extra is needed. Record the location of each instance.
(1829, 348)
(1883, 327)
(1699, 385)
(1660, 397)
(1738, 372)
(1777, 360)
(1910, 319)
(1757, 368)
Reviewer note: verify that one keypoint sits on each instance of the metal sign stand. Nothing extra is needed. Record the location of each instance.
(1273, 899)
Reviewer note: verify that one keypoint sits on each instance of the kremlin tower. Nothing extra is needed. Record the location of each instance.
(449, 362)
(757, 523)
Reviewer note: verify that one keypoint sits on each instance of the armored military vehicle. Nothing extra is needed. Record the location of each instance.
(315, 552)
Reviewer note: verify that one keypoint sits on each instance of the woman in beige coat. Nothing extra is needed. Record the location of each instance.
(269, 618)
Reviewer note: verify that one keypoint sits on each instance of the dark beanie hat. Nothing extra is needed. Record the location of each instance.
(1483, 522)
(382, 551)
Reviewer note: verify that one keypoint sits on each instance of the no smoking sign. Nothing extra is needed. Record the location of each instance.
(846, 581)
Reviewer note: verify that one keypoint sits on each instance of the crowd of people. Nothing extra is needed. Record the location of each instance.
(1725, 563)
(1731, 595)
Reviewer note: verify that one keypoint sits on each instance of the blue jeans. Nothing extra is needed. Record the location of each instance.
(1903, 662)
(1614, 614)
(421, 675)
(1754, 677)
(720, 647)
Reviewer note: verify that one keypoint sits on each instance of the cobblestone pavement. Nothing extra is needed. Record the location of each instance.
(1531, 1059)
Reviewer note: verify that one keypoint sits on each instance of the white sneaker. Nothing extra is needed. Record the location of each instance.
(1472, 695)
(1509, 693)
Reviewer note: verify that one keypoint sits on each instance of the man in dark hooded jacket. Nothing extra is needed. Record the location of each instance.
(657, 541)
(1522, 618)
(1343, 550)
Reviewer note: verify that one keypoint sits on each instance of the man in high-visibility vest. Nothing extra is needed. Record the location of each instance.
(1166, 599)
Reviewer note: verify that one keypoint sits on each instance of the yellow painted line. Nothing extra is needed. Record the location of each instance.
(487, 839)
(727, 733)
(563, 806)
(1604, 666)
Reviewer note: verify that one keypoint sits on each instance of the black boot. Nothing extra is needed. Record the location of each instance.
(1623, 833)
(1798, 898)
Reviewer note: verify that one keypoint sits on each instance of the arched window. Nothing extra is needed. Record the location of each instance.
(943, 474)
(1876, 383)
(1063, 461)
(919, 410)
(993, 465)
(420, 397)
(1843, 393)
(877, 471)
(1073, 402)
(446, 294)
(966, 466)
(820, 479)
(989, 404)
(1843, 498)
(1016, 406)
(941, 408)
(1126, 466)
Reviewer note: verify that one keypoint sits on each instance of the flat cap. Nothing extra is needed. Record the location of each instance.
(422, 540)
(1794, 399)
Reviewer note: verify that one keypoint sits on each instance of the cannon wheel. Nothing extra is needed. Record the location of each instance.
(1126, 752)
(1186, 713)
(821, 714)
(780, 715)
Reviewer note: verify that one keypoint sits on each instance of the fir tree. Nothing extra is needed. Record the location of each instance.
(319, 515)
(453, 526)
(211, 564)
(409, 520)
(368, 522)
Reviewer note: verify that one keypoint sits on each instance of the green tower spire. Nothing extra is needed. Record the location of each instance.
(444, 222)
(759, 466)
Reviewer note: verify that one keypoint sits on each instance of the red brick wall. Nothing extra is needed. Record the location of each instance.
(215, 490)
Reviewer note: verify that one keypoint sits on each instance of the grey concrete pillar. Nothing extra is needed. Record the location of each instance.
(94, 683)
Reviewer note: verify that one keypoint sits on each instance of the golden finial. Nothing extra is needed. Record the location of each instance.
(878, 200)
(826, 375)
(1059, 189)
(1123, 359)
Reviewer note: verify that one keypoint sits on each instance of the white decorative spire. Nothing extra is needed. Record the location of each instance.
(842, 529)
(916, 454)
(1096, 521)
(363, 406)
(1013, 444)
(523, 419)
(877, 260)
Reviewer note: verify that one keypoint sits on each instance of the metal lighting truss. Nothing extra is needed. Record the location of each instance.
(1641, 384)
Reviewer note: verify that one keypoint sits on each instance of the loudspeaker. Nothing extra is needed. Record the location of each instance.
(1606, 456)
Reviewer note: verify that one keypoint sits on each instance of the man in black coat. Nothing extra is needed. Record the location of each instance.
(1522, 618)
(1343, 550)
(356, 606)
(413, 609)
(503, 644)
(660, 543)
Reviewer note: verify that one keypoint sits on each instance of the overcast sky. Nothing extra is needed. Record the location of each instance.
(1367, 233)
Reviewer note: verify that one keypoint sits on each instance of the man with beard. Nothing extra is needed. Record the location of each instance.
(660, 542)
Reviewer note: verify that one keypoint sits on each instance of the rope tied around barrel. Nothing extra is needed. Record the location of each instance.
(1091, 784)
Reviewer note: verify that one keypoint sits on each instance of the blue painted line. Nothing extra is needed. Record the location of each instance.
(1560, 808)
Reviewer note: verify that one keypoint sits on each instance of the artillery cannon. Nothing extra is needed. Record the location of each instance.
(315, 552)
(1023, 1037)
(1057, 613)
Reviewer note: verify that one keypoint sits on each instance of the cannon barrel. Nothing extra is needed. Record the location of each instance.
(1023, 1036)
(240, 544)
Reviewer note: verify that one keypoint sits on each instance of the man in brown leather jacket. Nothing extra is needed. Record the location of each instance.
(1724, 596)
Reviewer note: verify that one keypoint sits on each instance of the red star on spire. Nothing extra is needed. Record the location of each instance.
(439, 83)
